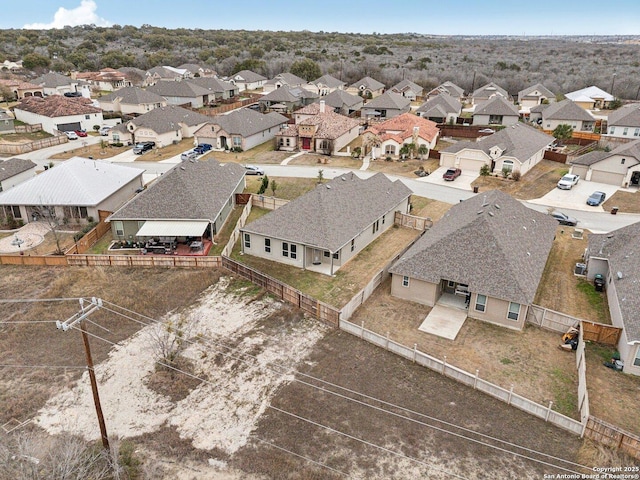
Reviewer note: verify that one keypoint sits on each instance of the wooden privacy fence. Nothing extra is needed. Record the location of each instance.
(142, 261)
(555, 156)
(270, 203)
(36, 127)
(89, 239)
(583, 394)
(17, 149)
(236, 231)
(411, 221)
(41, 260)
(306, 303)
(600, 333)
(466, 378)
(611, 436)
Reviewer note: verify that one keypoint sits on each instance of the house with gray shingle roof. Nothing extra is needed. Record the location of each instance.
(518, 147)
(247, 80)
(183, 93)
(620, 166)
(284, 79)
(197, 70)
(387, 105)
(286, 99)
(327, 84)
(7, 122)
(366, 87)
(343, 102)
(488, 91)
(616, 256)
(442, 108)
(243, 128)
(14, 171)
(166, 73)
(624, 122)
(219, 89)
(496, 111)
(407, 89)
(135, 75)
(449, 88)
(565, 112)
(54, 83)
(326, 227)
(591, 97)
(193, 199)
(535, 95)
(131, 100)
(492, 247)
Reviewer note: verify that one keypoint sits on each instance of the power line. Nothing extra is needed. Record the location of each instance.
(27, 322)
(41, 366)
(36, 300)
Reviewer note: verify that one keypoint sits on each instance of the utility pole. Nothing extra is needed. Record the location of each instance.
(70, 323)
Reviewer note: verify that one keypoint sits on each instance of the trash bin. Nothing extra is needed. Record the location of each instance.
(598, 282)
(475, 189)
(614, 210)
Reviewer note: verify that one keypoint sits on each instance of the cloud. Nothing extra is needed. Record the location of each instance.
(85, 14)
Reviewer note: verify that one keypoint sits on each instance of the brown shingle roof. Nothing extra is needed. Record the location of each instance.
(57, 106)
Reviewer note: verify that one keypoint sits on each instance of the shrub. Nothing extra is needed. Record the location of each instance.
(515, 175)
(263, 185)
(389, 159)
(505, 172)
(485, 171)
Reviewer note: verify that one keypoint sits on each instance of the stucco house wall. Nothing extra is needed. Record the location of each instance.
(50, 125)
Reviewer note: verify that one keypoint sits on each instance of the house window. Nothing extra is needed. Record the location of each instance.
(636, 132)
(119, 228)
(636, 361)
(87, 117)
(285, 249)
(507, 165)
(294, 251)
(116, 137)
(481, 303)
(625, 131)
(324, 145)
(12, 210)
(336, 255)
(451, 284)
(383, 114)
(288, 142)
(405, 281)
(326, 253)
(353, 244)
(237, 141)
(267, 245)
(83, 212)
(247, 240)
(390, 149)
(612, 130)
(140, 224)
(383, 218)
(514, 311)
(376, 226)
(622, 161)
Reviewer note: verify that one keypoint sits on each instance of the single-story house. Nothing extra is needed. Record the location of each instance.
(518, 147)
(367, 87)
(535, 95)
(243, 128)
(22, 89)
(7, 124)
(591, 97)
(107, 79)
(286, 100)
(131, 101)
(11, 66)
(318, 129)
(449, 88)
(136, 76)
(620, 166)
(407, 89)
(442, 108)
(616, 256)
(193, 199)
(624, 122)
(490, 248)
(14, 171)
(219, 89)
(284, 79)
(387, 105)
(326, 227)
(488, 91)
(496, 111)
(343, 102)
(72, 191)
(53, 83)
(388, 137)
(565, 112)
(163, 126)
(197, 70)
(327, 84)
(247, 80)
(183, 93)
(59, 113)
(166, 73)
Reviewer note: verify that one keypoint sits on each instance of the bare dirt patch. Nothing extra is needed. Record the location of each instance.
(261, 154)
(405, 167)
(428, 208)
(627, 202)
(320, 160)
(96, 151)
(288, 188)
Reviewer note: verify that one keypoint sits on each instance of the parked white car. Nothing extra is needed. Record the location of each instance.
(71, 135)
(568, 181)
(104, 131)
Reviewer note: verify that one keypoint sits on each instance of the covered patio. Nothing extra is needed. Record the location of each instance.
(174, 237)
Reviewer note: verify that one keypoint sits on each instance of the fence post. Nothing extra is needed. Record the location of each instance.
(546, 418)
(475, 380)
(362, 329)
(444, 364)
(510, 394)
(415, 350)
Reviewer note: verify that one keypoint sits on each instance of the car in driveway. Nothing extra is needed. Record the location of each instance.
(451, 174)
(71, 135)
(568, 181)
(487, 130)
(202, 148)
(140, 148)
(190, 155)
(104, 131)
(564, 219)
(253, 170)
(81, 133)
(596, 199)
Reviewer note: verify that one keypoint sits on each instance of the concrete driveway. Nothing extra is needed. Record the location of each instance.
(576, 198)
(463, 182)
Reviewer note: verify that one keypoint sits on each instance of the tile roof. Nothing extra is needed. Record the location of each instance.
(340, 98)
(592, 92)
(368, 82)
(519, 141)
(57, 106)
(389, 100)
(248, 76)
(133, 96)
(544, 91)
(244, 122)
(328, 217)
(53, 79)
(490, 89)
(496, 106)
(566, 110)
(165, 119)
(402, 127)
(491, 242)
(19, 84)
(76, 182)
(631, 149)
(329, 81)
(330, 125)
(189, 191)
(184, 89)
(625, 116)
(622, 249)
(444, 103)
(14, 166)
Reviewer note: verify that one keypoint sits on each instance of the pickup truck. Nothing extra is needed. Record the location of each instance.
(568, 181)
(451, 174)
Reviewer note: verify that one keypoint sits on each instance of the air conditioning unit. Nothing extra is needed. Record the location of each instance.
(581, 269)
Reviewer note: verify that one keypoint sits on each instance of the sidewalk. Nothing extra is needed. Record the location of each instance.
(288, 159)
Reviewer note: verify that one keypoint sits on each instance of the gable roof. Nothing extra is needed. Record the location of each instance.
(328, 80)
(283, 94)
(447, 87)
(287, 79)
(402, 127)
(77, 182)
(330, 125)
(496, 106)
(53, 79)
(57, 106)
(490, 89)
(244, 122)
(185, 88)
(625, 116)
(519, 141)
(631, 149)
(368, 82)
(389, 100)
(213, 84)
(544, 91)
(189, 191)
(133, 96)
(440, 106)
(14, 166)
(405, 85)
(165, 119)
(248, 76)
(592, 93)
(340, 98)
(328, 217)
(622, 249)
(566, 110)
(19, 84)
(491, 242)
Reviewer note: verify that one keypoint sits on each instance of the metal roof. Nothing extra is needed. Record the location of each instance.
(172, 228)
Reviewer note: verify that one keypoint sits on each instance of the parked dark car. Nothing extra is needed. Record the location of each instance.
(202, 148)
(564, 219)
(72, 94)
(451, 174)
(596, 199)
(142, 147)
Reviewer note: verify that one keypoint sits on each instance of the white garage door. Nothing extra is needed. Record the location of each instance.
(607, 177)
(470, 166)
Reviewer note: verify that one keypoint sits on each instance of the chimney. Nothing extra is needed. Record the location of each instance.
(321, 106)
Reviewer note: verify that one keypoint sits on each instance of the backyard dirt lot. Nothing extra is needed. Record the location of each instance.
(627, 202)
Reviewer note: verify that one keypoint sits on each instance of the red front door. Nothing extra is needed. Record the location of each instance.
(306, 143)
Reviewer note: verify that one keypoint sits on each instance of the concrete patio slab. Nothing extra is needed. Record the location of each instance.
(444, 321)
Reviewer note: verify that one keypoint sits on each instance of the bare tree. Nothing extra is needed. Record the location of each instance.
(169, 339)
(47, 213)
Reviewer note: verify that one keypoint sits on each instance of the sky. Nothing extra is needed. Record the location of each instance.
(436, 17)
